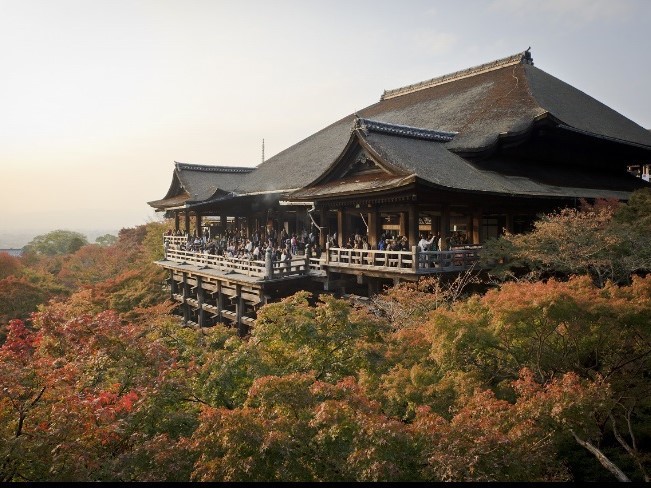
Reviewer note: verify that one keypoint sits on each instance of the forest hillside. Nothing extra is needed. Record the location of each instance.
(539, 370)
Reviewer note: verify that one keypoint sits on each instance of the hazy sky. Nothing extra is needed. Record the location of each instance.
(99, 98)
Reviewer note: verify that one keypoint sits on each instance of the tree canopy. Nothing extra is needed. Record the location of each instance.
(544, 379)
(55, 243)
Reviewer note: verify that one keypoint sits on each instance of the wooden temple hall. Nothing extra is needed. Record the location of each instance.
(454, 160)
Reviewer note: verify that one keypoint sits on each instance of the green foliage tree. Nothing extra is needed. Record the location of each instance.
(106, 240)
(57, 242)
(606, 240)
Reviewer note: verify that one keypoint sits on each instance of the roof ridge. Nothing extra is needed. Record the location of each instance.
(212, 169)
(519, 58)
(368, 125)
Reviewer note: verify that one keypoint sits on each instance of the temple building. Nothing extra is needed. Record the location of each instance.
(454, 160)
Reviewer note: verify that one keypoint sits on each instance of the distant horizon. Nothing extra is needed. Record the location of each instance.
(19, 239)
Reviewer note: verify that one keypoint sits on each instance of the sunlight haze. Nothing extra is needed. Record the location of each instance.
(99, 98)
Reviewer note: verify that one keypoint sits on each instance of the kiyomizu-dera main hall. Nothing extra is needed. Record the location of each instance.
(409, 186)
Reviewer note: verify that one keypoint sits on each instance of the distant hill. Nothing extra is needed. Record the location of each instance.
(12, 252)
(17, 240)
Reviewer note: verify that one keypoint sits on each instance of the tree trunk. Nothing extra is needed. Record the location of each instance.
(601, 457)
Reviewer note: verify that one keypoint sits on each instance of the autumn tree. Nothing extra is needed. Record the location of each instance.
(89, 398)
(9, 265)
(555, 328)
(295, 428)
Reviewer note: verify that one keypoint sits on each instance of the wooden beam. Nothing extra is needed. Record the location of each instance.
(445, 226)
(323, 223)
(201, 300)
(413, 230)
(373, 227)
(186, 293)
(476, 225)
(341, 223)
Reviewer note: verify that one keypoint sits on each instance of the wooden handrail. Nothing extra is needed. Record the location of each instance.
(420, 262)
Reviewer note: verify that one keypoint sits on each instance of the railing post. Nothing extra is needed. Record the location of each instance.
(327, 253)
(268, 264)
(414, 259)
(308, 255)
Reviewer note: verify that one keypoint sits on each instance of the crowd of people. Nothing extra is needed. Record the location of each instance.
(235, 244)
(284, 246)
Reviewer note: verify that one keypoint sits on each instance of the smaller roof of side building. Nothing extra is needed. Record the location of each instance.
(199, 182)
(405, 155)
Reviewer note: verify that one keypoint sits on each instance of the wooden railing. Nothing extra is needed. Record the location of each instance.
(267, 269)
(370, 257)
(414, 260)
(175, 240)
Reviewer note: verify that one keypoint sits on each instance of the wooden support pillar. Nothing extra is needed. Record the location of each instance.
(373, 227)
(445, 226)
(323, 223)
(242, 329)
(198, 224)
(341, 227)
(223, 222)
(250, 227)
(201, 300)
(186, 216)
(220, 302)
(173, 287)
(509, 223)
(176, 221)
(281, 226)
(476, 225)
(413, 231)
(403, 224)
(186, 293)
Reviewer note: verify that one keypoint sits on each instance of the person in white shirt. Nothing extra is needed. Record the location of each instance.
(424, 244)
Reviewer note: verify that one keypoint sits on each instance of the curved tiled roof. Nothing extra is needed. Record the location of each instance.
(478, 104)
(465, 113)
(433, 164)
(197, 182)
